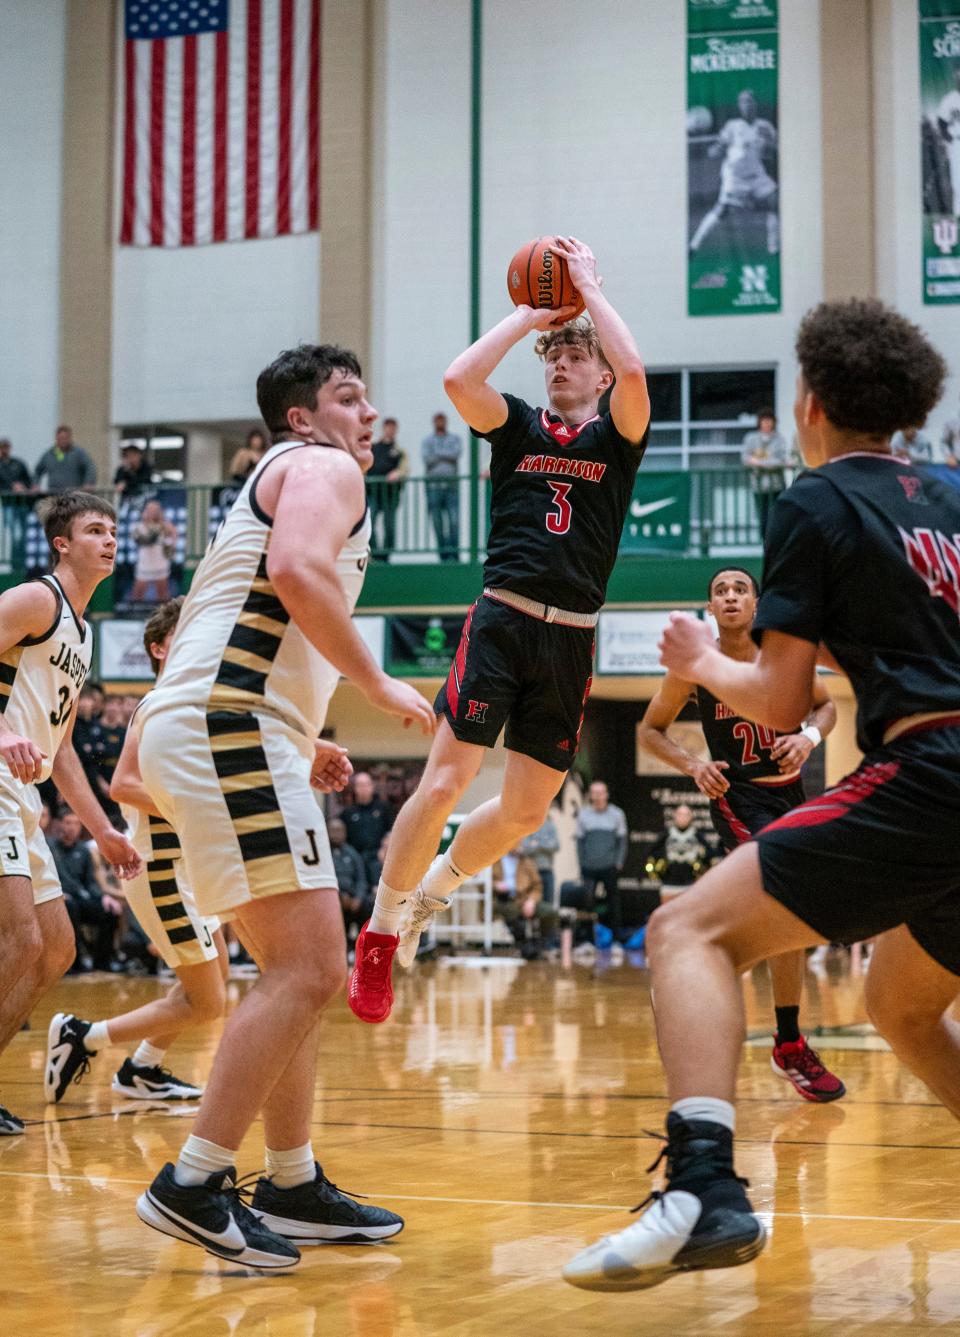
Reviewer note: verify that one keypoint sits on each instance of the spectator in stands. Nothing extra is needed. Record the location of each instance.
(107, 744)
(14, 474)
(156, 540)
(64, 466)
(384, 488)
(134, 474)
(767, 454)
(680, 855)
(86, 730)
(912, 444)
(602, 850)
(257, 444)
(352, 881)
(93, 913)
(367, 820)
(242, 465)
(541, 846)
(950, 442)
(441, 463)
(518, 897)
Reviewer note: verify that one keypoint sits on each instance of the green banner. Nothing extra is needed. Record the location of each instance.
(659, 516)
(940, 149)
(733, 196)
(421, 647)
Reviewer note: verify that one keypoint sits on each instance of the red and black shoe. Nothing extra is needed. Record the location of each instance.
(797, 1063)
(370, 991)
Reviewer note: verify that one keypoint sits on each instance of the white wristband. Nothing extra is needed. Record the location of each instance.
(813, 733)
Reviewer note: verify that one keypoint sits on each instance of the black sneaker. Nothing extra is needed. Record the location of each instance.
(68, 1059)
(137, 1082)
(213, 1216)
(702, 1219)
(318, 1213)
(10, 1125)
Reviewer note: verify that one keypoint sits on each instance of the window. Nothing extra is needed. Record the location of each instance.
(701, 415)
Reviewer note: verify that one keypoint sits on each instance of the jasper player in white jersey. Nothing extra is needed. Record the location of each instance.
(948, 120)
(744, 142)
(228, 753)
(45, 650)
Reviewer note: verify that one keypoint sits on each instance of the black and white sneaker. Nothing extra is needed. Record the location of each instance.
(137, 1082)
(10, 1125)
(68, 1059)
(214, 1216)
(702, 1219)
(318, 1213)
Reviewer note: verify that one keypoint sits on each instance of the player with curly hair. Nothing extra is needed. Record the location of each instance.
(862, 571)
(561, 479)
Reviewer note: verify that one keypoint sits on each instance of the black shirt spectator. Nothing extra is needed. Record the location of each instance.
(347, 863)
(367, 819)
(134, 474)
(384, 487)
(65, 465)
(14, 474)
(85, 902)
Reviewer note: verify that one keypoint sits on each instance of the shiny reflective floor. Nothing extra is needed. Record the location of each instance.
(502, 1111)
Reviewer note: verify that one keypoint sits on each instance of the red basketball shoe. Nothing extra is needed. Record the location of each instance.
(797, 1063)
(370, 992)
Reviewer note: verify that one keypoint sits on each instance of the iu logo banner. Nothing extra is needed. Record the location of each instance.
(221, 111)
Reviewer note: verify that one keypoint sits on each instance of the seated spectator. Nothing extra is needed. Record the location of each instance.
(518, 897)
(14, 474)
(156, 540)
(384, 489)
(133, 475)
(64, 466)
(602, 851)
(93, 912)
(912, 444)
(767, 454)
(680, 855)
(368, 819)
(351, 874)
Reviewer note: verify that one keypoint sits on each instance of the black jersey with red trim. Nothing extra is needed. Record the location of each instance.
(743, 745)
(863, 554)
(559, 499)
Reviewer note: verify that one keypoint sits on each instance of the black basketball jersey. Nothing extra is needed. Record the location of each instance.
(559, 498)
(743, 745)
(863, 554)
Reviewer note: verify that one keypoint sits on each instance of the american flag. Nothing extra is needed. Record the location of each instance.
(221, 137)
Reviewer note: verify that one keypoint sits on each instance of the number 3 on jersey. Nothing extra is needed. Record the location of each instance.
(561, 512)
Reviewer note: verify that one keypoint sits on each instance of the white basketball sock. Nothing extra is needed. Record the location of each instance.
(708, 1108)
(442, 878)
(388, 910)
(97, 1037)
(199, 1159)
(148, 1055)
(287, 1169)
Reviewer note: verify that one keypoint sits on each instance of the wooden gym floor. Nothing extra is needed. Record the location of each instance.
(503, 1111)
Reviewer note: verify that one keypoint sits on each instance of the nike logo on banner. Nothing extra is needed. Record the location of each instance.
(639, 509)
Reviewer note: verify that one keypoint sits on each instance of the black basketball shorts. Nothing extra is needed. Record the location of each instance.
(878, 850)
(747, 808)
(513, 670)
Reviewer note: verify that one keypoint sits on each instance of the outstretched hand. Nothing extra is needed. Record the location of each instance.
(331, 769)
(581, 262)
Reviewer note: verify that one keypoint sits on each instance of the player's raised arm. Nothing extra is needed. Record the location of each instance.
(652, 736)
(630, 400)
(466, 380)
(320, 501)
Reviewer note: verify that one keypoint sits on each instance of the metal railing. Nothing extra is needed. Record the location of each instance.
(419, 519)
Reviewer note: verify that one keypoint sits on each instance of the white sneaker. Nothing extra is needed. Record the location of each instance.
(422, 909)
(664, 1241)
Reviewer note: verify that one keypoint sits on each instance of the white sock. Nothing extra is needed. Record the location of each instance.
(388, 910)
(442, 877)
(97, 1037)
(199, 1159)
(707, 1108)
(148, 1055)
(287, 1169)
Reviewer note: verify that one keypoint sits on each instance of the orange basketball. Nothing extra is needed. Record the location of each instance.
(538, 277)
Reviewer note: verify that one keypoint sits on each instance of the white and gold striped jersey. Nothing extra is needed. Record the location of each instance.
(236, 647)
(40, 679)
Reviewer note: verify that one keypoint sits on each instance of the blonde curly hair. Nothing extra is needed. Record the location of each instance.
(580, 333)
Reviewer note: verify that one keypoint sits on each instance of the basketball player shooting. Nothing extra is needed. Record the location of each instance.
(561, 479)
(745, 182)
(752, 778)
(862, 572)
(45, 652)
